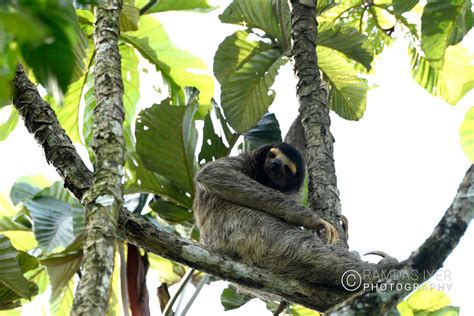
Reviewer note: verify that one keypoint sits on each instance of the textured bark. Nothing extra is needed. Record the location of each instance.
(41, 122)
(314, 115)
(105, 197)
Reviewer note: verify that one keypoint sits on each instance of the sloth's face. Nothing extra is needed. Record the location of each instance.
(279, 168)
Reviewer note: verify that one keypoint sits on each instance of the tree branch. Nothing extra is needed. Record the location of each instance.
(314, 115)
(104, 198)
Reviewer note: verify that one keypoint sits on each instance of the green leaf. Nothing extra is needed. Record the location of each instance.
(59, 58)
(53, 223)
(177, 66)
(6, 206)
(213, 146)
(402, 6)
(8, 61)
(9, 223)
(348, 93)
(428, 299)
(129, 18)
(168, 271)
(444, 23)
(346, 40)
(26, 188)
(7, 127)
(232, 299)
(61, 269)
(27, 262)
(57, 191)
(166, 141)
(140, 179)
(25, 27)
(173, 5)
(246, 94)
(259, 14)
(466, 133)
(452, 81)
(298, 310)
(11, 274)
(61, 304)
(22, 240)
(68, 113)
(445, 311)
(171, 212)
(266, 132)
(234, 52)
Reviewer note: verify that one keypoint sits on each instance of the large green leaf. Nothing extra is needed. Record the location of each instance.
(171, 212)
(247, 94)
(234, 52)
(8, 61)
(346, 40)
(53, 223)
(57, 191)
(231, 298)
(466, 133)
(177, 66)
(401, 6)
(68, 113)
(9, 223)
(444, 23)
(61, 268)
(173, 5)
(129, 18)
(13, 285)
(266, 131)
(166, 141)
(7, 127)
(61, 304)
(26, 188)
(348, 94)
(140, 179)
(168, 271)
(246, 70)
(213, 146)
(58, 60)
(259, 14)
(452, 81)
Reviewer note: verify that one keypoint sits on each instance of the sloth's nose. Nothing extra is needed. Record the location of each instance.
(276, 165)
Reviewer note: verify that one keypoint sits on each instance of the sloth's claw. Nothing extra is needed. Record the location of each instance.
(331, 233)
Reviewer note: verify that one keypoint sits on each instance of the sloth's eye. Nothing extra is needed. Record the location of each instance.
(287, 169)
(271, 155)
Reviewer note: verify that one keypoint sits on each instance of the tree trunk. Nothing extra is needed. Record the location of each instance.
(314, 116)
(105, 197)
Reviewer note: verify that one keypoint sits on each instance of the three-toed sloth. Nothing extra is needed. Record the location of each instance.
(247, 207)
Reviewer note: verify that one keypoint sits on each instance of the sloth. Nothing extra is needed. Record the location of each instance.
(248, 207)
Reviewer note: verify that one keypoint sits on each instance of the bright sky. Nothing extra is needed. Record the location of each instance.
(398, 168)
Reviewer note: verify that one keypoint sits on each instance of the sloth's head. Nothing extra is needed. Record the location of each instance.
(279, 166)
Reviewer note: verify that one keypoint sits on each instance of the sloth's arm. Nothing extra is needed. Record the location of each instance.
(227, 179)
